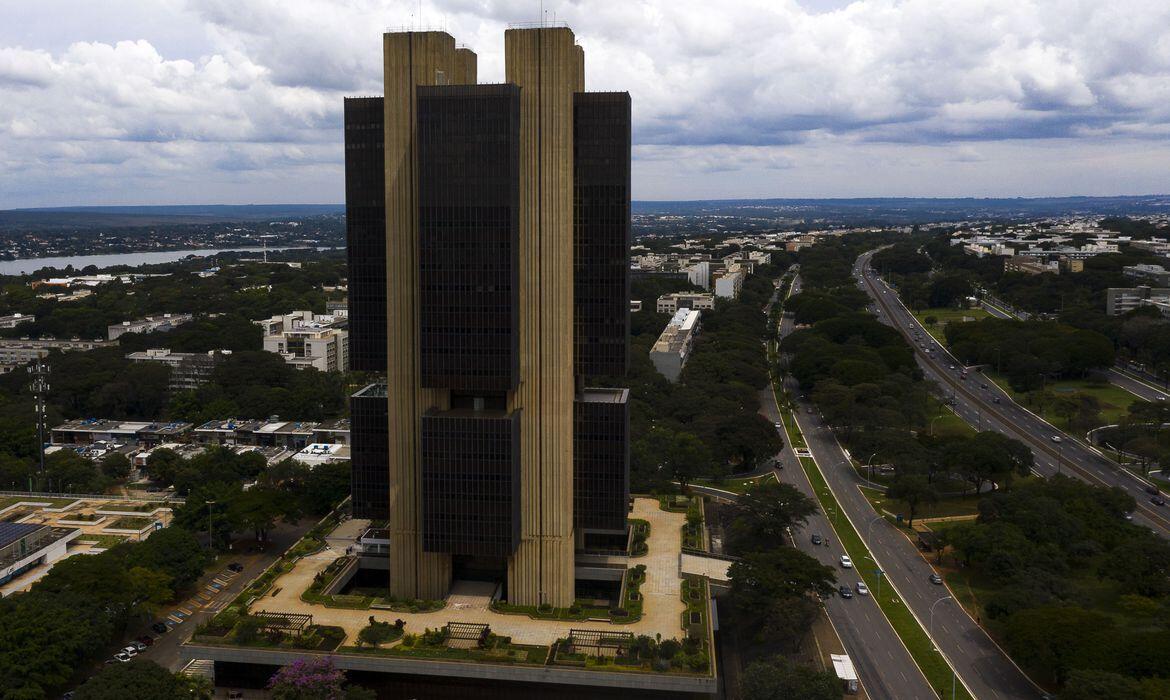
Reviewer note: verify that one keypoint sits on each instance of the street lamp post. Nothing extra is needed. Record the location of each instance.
(869, 463)
(878, 572)
(930, 627)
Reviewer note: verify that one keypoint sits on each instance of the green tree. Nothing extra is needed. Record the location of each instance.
(780, 679)
(761, 578)
(915, 490)
(1055, 639)
(142, 680)
(115, 465)
(763, 515)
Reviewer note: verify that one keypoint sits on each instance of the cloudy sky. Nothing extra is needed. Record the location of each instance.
(239, 101)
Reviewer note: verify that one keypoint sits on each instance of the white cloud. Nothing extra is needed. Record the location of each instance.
(244, 96)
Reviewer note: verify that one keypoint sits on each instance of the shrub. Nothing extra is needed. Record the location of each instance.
(697, 662)
(377, 633)
(619, 612)
(669, 648)
(248, 629)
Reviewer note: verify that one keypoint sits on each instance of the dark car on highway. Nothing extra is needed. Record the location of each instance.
(1158, 500)
(816, 539)
(845, 592)
(936, 579)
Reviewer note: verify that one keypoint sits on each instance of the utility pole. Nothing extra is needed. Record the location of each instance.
(39, 384)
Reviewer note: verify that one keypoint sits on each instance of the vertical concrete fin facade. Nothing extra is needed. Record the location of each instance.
(548, 67)
(466, 67)
(411, 59)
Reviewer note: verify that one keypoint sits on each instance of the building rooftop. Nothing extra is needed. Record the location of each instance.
(11, 532)
(377, 390)
(674, 336)
(229, 425)
(600, 395)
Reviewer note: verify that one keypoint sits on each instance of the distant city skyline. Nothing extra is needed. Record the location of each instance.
(172, 101)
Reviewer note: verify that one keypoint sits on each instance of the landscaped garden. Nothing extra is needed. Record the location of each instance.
(130, 522)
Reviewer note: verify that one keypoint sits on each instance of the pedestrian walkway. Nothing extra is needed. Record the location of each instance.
(661, 613)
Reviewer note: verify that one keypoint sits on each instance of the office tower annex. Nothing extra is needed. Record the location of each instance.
(488, 231)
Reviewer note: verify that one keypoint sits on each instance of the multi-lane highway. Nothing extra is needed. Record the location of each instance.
(885, 668)
(982, 667)
(1136, 386)
(984, 405)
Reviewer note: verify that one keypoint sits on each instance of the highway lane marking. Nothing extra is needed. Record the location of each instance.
(816, 462)
(1085, 469)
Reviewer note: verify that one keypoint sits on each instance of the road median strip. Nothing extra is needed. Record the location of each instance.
(929, 660)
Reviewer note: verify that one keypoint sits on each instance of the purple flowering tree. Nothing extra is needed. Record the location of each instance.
(308, 679)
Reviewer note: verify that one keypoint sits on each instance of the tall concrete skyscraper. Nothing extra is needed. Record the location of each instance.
(491, 286)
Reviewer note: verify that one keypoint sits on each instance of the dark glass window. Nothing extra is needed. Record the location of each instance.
(601, 459)
(469, 174)
(369, 453)
(601, 232)
(471, 482)
(365, 230)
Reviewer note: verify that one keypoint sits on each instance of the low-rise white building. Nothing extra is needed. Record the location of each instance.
(13, 320)
(727, 285)
(24, 546)
(670, 303)
(150, 324)
(188, 369)
(670, 352)
(305, 339)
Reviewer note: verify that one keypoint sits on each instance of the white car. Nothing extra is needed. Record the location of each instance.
(846, 562)
(1056, 438)
(122, 656)
(138, 646)
(862, 589)
(130, 651)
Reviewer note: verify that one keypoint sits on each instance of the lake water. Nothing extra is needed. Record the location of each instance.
(24, 266)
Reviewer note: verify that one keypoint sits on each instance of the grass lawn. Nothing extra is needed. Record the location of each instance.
(6, 501)
(102, 541)
(739, 486)
(949, 507)
(949, 424)
(932, 663)
(1114, 400)
(129, 522)
(946, 316)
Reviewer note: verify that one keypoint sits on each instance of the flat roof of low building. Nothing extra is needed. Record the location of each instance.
(229, 425)
(376, 390)
(605, 395)
(99, 425)
(11, 532)
(335, 424)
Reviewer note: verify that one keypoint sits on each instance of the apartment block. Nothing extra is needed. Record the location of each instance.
(150, 324)
(670, 352)
(670, 303)
(189, 370)
(305, 339)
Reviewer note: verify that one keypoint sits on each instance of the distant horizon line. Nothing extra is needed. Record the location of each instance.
(341, 205)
